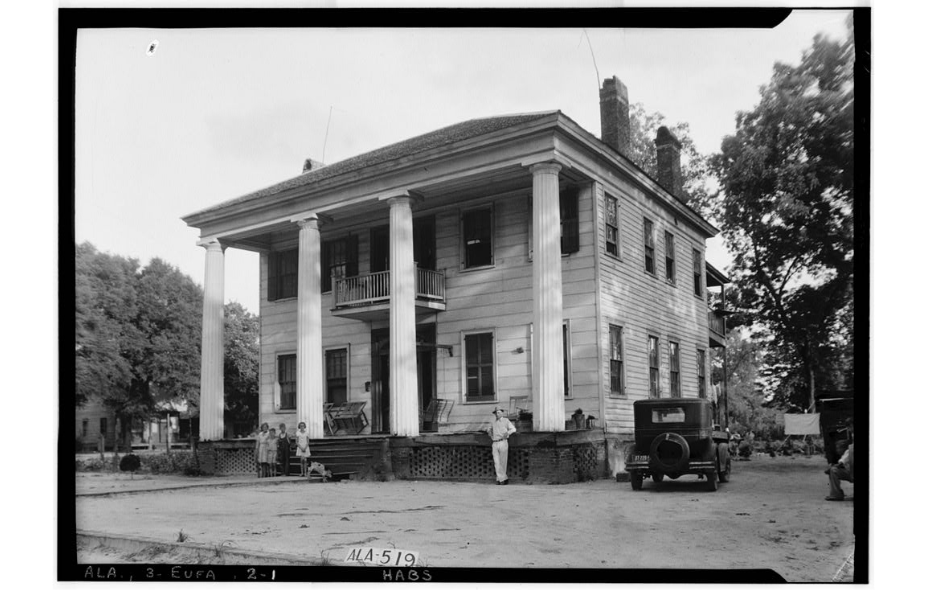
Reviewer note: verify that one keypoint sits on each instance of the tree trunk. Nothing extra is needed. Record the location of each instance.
(168, 433)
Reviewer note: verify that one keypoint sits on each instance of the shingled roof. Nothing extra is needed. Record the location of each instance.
(415, 145)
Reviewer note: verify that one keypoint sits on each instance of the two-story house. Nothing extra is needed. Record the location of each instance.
(507, 258)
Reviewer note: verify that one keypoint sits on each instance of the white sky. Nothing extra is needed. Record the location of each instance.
(214, 114)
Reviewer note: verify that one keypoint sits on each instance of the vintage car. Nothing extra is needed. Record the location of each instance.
(675, 437)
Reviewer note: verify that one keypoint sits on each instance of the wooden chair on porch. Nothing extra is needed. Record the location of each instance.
(349, 417)
(436, 414)
(329, 419)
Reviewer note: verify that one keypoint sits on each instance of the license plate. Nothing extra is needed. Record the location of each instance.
(641, 458)
(382, 557)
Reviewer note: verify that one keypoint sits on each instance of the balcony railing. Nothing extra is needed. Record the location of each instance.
(716, 324)
(373, 288)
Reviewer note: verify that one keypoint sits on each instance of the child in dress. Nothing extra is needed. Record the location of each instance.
(302, 447)
(263, 445)
(272, 453)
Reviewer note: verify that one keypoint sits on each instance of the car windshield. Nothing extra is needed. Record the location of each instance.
(668, 415)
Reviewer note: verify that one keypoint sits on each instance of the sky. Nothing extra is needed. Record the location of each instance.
(213, 114)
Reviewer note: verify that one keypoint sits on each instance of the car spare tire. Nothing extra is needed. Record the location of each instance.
(669, 452)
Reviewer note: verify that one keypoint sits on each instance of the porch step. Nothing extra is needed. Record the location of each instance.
(343, 458)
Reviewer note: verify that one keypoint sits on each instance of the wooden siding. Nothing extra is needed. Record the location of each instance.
(498, 298)
(644, 305)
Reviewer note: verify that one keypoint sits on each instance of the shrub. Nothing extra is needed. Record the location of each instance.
(745, 450)
(184, 462)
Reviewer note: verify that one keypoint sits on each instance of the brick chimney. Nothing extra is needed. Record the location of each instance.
(615, 115)
(669, 163)
(311, 165)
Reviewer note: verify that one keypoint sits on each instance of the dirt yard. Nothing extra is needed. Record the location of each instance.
(771, 515)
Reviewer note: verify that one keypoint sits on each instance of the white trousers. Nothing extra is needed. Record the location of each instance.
(500, 456)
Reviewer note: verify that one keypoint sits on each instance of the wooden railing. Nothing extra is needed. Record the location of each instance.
(715, 322)
(374, 288)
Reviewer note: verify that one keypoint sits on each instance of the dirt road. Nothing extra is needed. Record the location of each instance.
(771, 515)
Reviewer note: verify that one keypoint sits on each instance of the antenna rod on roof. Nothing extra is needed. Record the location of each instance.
(595, 63)
(326, 132)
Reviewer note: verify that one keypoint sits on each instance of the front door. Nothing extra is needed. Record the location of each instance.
(379, 388)
(380, 384)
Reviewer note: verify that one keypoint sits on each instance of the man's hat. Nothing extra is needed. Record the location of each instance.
(498, 410)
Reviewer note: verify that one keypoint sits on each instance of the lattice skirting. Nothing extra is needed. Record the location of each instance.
(229, 461)
(475, 462)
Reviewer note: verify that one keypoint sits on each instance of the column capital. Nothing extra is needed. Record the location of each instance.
(551, 167)
(398, 196)
(211, 245)
(310, 221)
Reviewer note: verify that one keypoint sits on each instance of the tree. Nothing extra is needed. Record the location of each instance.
(747, 400)
(786, 212)
(242, 353)
(105, 305)
(137, 334)
(695, 166)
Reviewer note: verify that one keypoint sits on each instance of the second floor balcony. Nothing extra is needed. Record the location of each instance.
(366, 297)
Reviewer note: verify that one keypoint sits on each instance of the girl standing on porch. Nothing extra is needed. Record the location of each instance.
(272, 453)
(261, 451)
(302, 447)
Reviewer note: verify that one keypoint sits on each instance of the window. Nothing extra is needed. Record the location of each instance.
(282, 274)
(336, 376)
(612, 233)
(477, 238)
(84, 426)
(702, 385)
(339, 260)
(653, 366)
(649, 247)
(668, 415)
(670, 258)
(696, 264)
(569, 221)
(480, 367)
(286, 378)
(103, 426)
(567, 361)
(617, 360)
(674, 375)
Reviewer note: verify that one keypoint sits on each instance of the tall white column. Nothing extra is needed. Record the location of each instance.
(547, 363)
(403, 357)
(212, 369)
(309, 369)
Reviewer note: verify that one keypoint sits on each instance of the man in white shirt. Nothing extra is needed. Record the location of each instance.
(499, 430)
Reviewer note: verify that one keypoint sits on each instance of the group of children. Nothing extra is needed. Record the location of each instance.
(273, 449)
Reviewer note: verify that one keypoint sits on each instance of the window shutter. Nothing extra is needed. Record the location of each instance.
(273, 272)
(353, 249)
(569, 219)
(326, 266)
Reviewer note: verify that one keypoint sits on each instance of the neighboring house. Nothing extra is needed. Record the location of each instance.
(507, 257)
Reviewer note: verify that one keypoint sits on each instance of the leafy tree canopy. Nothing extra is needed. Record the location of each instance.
(786, 212)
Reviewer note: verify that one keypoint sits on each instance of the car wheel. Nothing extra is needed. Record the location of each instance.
(636, 480)
(712, 481)
(658, 477)
(673, 438)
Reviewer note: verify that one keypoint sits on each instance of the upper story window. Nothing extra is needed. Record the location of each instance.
(670, 258)
(569, 221)
(477, 238)
(675, 383)
(479, 356)
(698, 273)
(339, 260)
(649, 247)
(612, 228)
(653, 366)
(282, 274)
